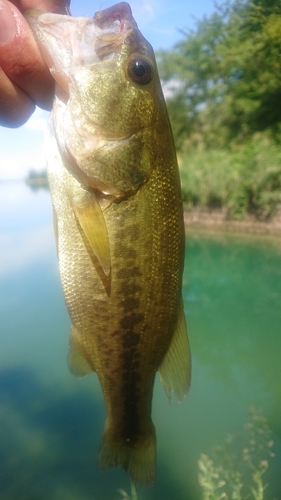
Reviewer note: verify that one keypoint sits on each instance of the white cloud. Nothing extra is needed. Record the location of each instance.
(164, 31)
(38, 120)
(17, 166)
(149, 9)
(19, 251)
(144, 11)
(36, 124)
(22, 149)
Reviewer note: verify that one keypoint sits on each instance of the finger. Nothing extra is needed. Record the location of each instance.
(15, 105)
(20, 58)
(58, 6)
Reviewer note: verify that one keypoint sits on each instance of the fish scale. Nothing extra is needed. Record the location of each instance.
(118, 221)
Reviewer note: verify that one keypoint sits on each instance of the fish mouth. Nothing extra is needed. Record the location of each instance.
(67, 42)
(107, 30)
(116, 24)
(120, 12)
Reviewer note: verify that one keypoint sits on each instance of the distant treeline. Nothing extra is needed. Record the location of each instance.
(34, 175)
(225, 107)
(37, 180)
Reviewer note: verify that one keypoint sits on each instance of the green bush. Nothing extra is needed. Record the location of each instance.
(245, 179)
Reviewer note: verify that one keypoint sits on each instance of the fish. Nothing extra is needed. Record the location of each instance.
(118, 220)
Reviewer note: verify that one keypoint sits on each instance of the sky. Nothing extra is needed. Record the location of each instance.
(159, 21)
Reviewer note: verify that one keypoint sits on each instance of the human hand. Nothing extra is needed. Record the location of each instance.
(24, 77)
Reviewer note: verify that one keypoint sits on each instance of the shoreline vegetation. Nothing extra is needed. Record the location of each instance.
(217, 220)
(222, 87)
(37, 177)
(223, 93)
(234, 189)
(37, 180)
(202, 216)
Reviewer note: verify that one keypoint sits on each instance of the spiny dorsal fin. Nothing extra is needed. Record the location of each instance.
(90, 216)
(77, 364)
(175, 370)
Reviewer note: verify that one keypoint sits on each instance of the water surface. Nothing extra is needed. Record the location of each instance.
(51, 423)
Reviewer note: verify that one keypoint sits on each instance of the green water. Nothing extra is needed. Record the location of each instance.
(51, 423)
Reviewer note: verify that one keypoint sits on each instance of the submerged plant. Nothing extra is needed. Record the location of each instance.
(132, 496)
(239, 464)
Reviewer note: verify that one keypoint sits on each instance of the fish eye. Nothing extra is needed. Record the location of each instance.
(140, 71)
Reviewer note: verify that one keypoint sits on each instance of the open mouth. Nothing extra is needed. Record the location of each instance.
(119, 15)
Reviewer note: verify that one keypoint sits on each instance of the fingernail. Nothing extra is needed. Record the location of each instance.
(8, 26)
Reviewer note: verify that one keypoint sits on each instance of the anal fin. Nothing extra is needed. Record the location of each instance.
(175, 370)
(77, 363)
(90, 216)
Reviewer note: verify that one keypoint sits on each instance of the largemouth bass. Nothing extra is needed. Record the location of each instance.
(118, 222)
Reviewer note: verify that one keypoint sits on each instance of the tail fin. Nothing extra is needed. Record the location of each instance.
(138, 458)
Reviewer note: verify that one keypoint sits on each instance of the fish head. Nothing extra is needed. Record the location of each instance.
(109, 107)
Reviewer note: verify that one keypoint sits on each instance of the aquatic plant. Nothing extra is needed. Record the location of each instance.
(132, 496)
(237, 470)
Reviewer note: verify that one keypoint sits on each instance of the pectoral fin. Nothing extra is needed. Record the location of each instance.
(77, 364)
(175, 370)
(91, 220)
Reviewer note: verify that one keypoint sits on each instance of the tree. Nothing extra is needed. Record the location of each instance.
(227, 74)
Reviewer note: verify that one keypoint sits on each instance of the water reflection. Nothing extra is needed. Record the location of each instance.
(235, 289)
(232, 296)
(51, 423)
